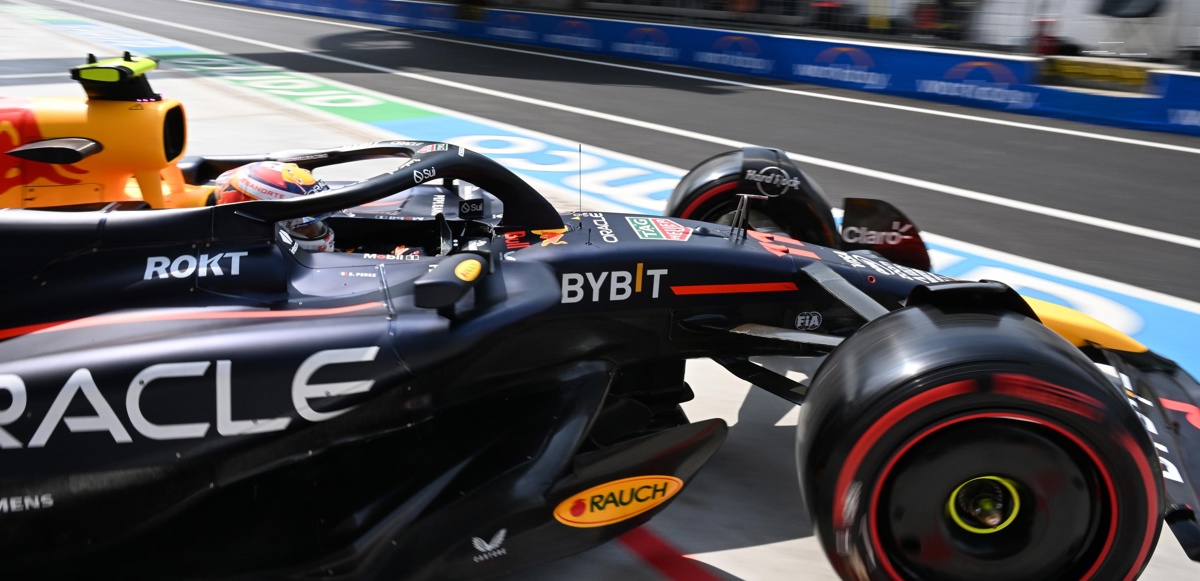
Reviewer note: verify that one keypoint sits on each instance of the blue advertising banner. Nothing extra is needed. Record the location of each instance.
(993, 81)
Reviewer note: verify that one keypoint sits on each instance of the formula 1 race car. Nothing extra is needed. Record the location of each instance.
(184, 394)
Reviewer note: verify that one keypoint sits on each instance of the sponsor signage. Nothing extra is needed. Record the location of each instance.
(468, 270)
(987, 81)
(613, 502)
(517, 240)
(844, 64)
(1009, 81)
(616, 285)
(659, 229)
(81, 393)
(808, 321)
(202, 265)
(776, 180)
(488, 550)
(739, 52)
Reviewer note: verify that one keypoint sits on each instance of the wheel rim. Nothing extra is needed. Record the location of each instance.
(1058, 518)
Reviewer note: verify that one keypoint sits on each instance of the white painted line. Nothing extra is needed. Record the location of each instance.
(908, 108)
(1005, 202)
(881, 175)
(1076, 277)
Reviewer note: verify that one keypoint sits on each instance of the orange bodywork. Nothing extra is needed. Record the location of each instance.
(142, 141)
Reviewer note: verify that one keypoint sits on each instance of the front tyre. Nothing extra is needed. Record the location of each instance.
(942, 446)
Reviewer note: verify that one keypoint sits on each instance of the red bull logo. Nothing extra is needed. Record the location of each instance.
(517, 240)
(647, 41)
(17, 127)
(735, 51)
(980, 81)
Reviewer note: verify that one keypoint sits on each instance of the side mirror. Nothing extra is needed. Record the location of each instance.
(445, 285)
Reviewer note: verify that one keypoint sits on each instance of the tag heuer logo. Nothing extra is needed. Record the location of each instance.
(659, 229)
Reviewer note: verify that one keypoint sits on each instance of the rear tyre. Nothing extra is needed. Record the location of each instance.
(942, 446)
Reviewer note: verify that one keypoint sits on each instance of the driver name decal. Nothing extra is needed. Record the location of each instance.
(616, 501)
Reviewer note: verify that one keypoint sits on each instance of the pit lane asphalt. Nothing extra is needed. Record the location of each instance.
(741, 515)
(1126, 183)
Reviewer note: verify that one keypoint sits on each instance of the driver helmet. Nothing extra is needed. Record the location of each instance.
(276, 180)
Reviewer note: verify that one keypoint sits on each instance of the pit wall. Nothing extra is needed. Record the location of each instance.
(1170, 101)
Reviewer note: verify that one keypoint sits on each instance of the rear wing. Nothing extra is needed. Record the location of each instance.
(117, 79)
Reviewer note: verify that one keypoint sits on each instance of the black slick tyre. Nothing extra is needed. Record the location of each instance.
(941, 446)
(709, 192)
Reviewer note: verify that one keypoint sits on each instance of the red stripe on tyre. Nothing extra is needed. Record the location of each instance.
(706, 196)
(1102, 468)
(879, 428)
(1151, 507)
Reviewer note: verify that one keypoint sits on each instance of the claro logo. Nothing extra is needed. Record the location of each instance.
(616, 501)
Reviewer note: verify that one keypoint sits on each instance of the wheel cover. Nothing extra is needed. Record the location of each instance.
(1060, 524)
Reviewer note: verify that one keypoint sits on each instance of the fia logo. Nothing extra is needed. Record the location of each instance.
(808, 321)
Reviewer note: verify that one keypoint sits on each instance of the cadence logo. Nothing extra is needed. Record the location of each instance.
(980, 81)
(647, 41)
(616, 501)
(857, 71)
(739, 52)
